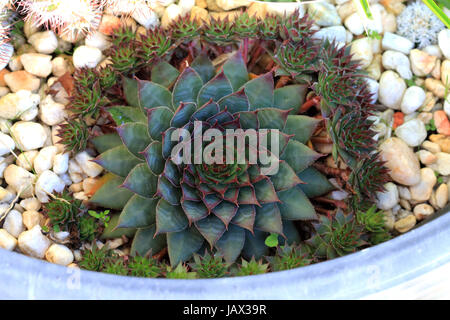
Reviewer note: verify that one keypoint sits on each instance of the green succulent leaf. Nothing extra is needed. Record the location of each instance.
(315, 183)
(265, 192)
(271, 118)
(112, 232)
(302, 127)
(145, 241)
(168, 191)
(124, 114)
(268, 218)
(255, 246)
(169, 218)
(295, 205)
(187, 87)
(152, 95)
(142, 181)
(235, 102)
(204, 67)
(139, 212)
(231, 243)
(290, 97)
(107, 141)
(158, 121)
(135, 137)
(131, 91)
(182, 245)
(110, 195)
(194, 210)
(245, 217)
(236, 71)
(215, 89)
(299, 156)
(285, 178)
(225, 211)
(211, 229)
(260, 92)
(118, 160)
(153, 156)
(183, 114)
(164, 74)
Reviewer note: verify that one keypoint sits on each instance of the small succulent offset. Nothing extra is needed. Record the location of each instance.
(289, 257)
(252, 267)
(336, 236)
(62, 210)
(210, 266)
(172, 83)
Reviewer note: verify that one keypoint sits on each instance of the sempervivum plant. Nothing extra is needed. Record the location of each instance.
(221, 204)
(176, 85)
(336, 236)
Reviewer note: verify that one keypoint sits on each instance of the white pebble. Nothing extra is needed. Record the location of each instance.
(7, 241)
(31, 218)
(33, 242)
(59, 254)
(44, 42)
(388, 199)
(423, 210)
(413, 132)
(444, 42)
(392, 88)
(44, 159)
(29, 135)
(397, 61)
(362, 52)
(148, 18)
(413, 98)
(422, 191)
(22, 104)
(51, 112)
(37, 64)
(442, 195)
(6, 144)
(30, 204)
(61, 163)
(14, 223)
(20, 180)
(392, 41)
(89, 167)
(86, 57)
(48, 183)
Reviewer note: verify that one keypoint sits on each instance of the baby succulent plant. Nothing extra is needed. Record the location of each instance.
(336, 236)
(222, 205)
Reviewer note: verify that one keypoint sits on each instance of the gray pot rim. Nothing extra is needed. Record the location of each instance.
(366, 272)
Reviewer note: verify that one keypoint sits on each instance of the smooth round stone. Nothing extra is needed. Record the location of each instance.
(391, 90)
(422, 190)
(412, 132)
(401, 161)
(413, 99)
(388, 199)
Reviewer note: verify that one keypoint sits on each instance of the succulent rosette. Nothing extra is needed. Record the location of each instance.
(226, 206)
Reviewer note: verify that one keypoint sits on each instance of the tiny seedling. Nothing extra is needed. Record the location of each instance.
(373, 34)
(272, 240)
(102, 216)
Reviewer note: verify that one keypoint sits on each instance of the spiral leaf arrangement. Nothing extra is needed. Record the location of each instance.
(167, 80)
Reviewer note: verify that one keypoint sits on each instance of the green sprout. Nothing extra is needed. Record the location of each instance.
(102, 216)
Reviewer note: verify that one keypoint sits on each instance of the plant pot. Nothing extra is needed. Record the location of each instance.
(413, 265)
